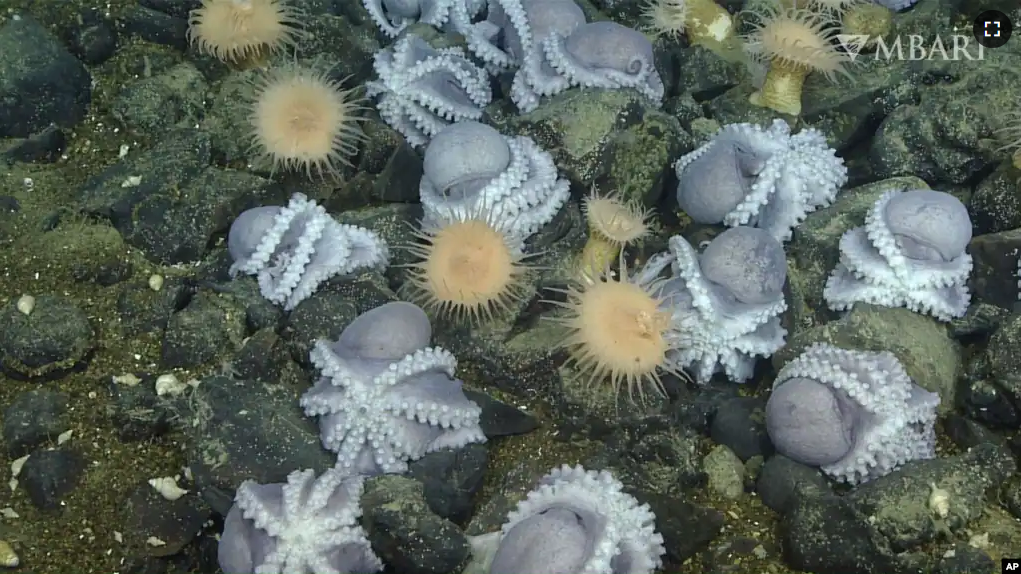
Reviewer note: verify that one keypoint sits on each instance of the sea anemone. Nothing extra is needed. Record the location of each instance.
(301, 119)
(704, 21)
(469, 269)
(619, 332)
(793, 42)
(1012, 135)
(613, 224)
(242, 30)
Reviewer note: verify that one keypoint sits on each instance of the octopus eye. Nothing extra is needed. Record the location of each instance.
(635, 66)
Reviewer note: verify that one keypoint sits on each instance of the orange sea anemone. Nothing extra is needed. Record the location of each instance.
(301, 119)
(238, 30)
(613, 224)
(468, 270)
(618, 333)
(793, 42)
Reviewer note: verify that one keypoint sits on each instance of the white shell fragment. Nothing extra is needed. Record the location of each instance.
(167, 487)
(26, 304)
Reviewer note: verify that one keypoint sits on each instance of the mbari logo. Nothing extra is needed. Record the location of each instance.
(913, 47)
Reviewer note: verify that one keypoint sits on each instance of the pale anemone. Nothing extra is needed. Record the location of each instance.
(301, 119)
(704, 21)
(242, 30)
(468, 269)
(613, 224)
(619, 332)
(793, 42)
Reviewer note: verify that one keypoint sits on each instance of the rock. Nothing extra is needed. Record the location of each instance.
(151, 106)
(143, 310)
(781, 480)
(94, 39)
(725, 472)
(1003, 358)
(54, 338)
(451, 478)
(41, 83)
(941, 138)
(155, 27)
(45, 146)
(168, 203)
(687, 528)
(49, 475)
(173, 522)
(920, 343)
(239, 430)
(996, 203)
(994, 277)
(499, 418)
(902, 505)
(405, 533)
(33, 418)
(137, 412)
(200, 332)
(611, 139)
(740, 424)
(261, 357)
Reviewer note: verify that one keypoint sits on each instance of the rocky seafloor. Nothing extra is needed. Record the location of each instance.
(130, 285)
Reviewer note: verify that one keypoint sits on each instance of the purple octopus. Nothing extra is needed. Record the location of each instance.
(393, 16)
(308, 524)
(385, 397)
(747, 175)
(575, 520)
(420, 89)
(293, 249)
(725, 303)
(855, 414)
(470, 170)
(911, 253)
(554, 49)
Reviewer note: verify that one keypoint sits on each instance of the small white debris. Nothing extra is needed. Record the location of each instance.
(64, 436)
(127, 379)
(8, 557)
(118, 537)
(125, 148)
(980, 541)
(155, 282)
(939, 501)
(169, 384)
(28, 183)
(155, 542)
(132, 181)
(26, 304)
(9, 513)
(167, 487)
(17, 464)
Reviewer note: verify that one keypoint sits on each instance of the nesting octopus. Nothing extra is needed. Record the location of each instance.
(420, 89)
(725, 304)
(575, 520)
(385, 397)
(472, 170)
(768, 178)
(293, 249)
(308, 524)
(854, 414)
(911, 253)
